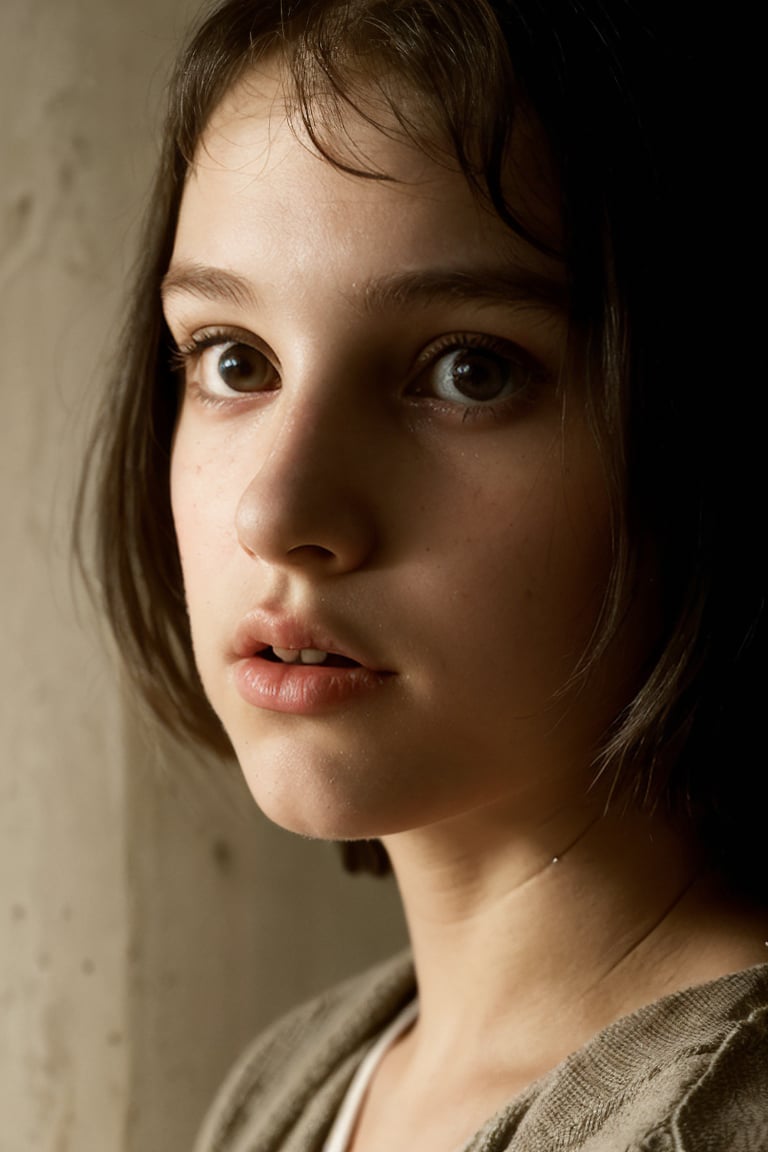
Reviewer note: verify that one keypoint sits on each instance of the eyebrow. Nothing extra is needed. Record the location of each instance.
(401, 289)
(190, 279)
(509, 285)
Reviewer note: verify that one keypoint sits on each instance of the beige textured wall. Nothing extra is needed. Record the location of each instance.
(149, 919)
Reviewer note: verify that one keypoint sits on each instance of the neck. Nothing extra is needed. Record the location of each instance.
(547, 933)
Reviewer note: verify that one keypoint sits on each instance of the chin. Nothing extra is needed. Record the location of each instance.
(320, 797)
(322, 819)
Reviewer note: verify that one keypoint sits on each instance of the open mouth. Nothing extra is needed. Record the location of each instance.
(307, 656)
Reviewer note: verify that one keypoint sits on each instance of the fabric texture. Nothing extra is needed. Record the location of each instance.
(686, 1074)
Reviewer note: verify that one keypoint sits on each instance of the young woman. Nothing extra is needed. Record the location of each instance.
(423, 492)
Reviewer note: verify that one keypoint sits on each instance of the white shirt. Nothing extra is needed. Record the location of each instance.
(347, 1117)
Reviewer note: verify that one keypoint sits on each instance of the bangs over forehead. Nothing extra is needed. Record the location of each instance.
(361, 54)
(456, 78)
(460, 79)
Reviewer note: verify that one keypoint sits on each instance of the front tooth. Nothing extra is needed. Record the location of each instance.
(287, 655)
(312, 656)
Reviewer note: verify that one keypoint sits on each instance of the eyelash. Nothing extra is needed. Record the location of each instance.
(186, 356)
(506, 351)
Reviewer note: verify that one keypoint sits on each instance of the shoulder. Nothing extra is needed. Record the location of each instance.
(293, 1076)
(686, 1074)
(726, 1106)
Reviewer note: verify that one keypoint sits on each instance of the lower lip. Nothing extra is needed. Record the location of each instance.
(302, 689)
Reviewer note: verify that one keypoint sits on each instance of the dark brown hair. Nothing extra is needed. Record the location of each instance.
(623, 97)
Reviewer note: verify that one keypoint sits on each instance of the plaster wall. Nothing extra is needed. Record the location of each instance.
(150, 920)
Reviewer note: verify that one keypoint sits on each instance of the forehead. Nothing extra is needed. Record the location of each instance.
(256, 143)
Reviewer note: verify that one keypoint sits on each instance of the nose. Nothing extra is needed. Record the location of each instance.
(309, 501)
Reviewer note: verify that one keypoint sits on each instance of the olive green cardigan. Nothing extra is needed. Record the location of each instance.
(686, 1074)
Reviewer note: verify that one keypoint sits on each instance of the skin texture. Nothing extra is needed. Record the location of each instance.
(348, 495)
(462, 548)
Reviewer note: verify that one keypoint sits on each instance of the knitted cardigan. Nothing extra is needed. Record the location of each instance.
(686, 1074)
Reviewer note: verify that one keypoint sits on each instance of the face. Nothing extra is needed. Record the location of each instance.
(391, 513)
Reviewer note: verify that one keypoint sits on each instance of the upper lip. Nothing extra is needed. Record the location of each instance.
(259, 630)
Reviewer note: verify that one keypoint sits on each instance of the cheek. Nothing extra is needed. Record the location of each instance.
(528, 576)
(203, 519)
(541, 584)
(534, 537)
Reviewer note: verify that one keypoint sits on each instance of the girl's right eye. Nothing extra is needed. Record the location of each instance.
(220, 368)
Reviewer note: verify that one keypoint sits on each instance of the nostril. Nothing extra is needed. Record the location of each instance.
(310, 550)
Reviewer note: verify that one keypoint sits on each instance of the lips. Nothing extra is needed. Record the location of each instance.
(282, 666)
(277, 638)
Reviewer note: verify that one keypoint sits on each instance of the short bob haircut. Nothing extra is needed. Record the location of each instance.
(635, 115)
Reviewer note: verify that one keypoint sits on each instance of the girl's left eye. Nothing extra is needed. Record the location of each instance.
(221, 368)
(477, 374)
